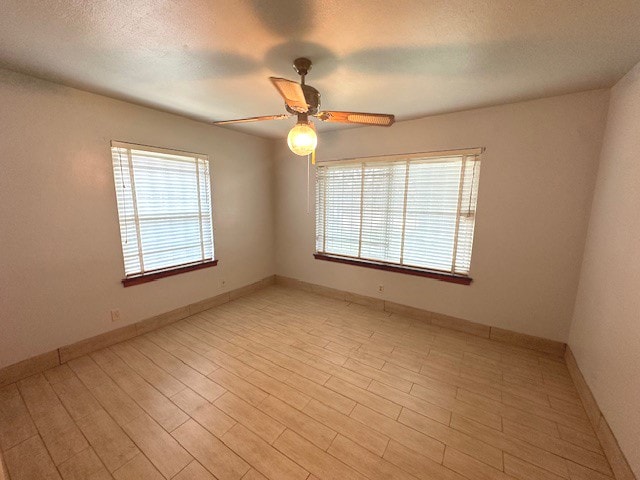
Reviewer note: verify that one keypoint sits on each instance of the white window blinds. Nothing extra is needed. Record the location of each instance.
(164, 206)
(415, 210)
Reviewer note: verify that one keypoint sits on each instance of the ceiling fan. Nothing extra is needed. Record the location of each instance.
(304, 101)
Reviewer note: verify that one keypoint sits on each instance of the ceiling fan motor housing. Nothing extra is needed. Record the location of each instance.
(312, 97)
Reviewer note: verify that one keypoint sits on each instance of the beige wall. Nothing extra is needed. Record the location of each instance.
(535, 191)
(60, 254)
(605, 334)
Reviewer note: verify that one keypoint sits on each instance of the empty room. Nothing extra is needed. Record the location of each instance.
(319, 239)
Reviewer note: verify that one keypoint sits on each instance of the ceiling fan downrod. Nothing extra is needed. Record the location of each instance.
(302, 65)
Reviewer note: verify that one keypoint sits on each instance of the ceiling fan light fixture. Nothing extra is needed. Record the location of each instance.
(302, 138)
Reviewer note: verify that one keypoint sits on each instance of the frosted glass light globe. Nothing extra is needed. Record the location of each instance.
(302, 139)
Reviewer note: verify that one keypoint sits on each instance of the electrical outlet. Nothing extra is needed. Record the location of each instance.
(223, 282)
(115, 316)
(380, 288)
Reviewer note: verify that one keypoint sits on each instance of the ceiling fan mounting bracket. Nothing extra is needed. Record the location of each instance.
(302, 66)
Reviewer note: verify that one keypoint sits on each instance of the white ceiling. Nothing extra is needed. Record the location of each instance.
(210, 59)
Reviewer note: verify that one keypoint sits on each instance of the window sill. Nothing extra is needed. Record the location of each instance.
(151, 276)
(420, 272)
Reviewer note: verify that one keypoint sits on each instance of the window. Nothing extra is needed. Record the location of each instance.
(413, 212)
(164, 206)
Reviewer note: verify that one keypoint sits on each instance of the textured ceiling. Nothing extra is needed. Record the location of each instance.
(210, 59)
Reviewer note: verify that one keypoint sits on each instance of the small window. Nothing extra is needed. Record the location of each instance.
(415, 211)
(164, 206)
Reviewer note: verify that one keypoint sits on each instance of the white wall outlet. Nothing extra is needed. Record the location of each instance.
(223, 282)
(380, 288)
(115, 316)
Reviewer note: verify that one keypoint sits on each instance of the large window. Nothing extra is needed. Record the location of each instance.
(415, 211)
(164, 206)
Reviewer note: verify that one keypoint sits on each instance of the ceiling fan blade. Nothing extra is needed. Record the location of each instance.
(378, 119)
(292, 94)
(252, 119)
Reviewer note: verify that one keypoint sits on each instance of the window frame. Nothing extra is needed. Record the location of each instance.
(447, 276)
(155, 274)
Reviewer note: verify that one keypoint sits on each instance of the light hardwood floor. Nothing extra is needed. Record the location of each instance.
(284, 384)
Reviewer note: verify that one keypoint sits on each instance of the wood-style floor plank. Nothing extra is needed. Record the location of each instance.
(348, 427)
(317, 432)
(108, 440)
(84, 466)
(15, 422)
(314, 460)
(211, 452)
(158, 446)
(262, 456)
(60, 434)
(29, 460)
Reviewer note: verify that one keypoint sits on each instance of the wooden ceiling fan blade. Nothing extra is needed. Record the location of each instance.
(361, 118)
(252, 119)
(292, 94)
